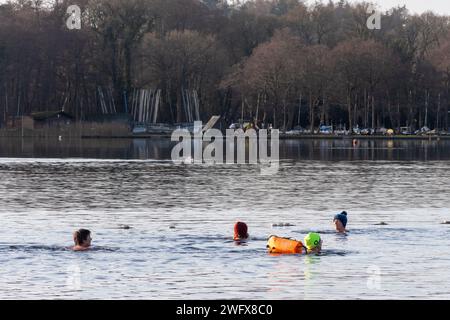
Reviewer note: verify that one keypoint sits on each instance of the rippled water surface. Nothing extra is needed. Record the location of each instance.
(181, 217)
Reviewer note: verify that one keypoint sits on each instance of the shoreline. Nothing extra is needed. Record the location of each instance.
(296, 137)
(76, 134)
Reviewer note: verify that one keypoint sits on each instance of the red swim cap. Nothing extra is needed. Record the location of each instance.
(240, 231)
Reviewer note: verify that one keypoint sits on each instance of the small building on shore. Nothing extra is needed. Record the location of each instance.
(51, 119)
(19, 122)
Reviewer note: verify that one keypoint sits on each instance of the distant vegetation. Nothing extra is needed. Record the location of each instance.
(279, 61)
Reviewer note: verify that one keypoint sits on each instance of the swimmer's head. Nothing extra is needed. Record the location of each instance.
(240, 231)
(340, 221)
(82, 238)
(312, 241)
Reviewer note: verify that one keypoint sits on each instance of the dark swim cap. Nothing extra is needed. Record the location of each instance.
(240, 230)
(342, 217)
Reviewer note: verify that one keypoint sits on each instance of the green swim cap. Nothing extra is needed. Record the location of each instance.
(312, 240)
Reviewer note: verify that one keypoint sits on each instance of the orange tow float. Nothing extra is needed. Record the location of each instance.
(281, 245)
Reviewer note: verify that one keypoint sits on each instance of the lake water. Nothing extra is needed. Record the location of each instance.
(181, 217)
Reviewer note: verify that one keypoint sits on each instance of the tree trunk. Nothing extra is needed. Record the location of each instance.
(410, 109)
(399, 116)
(427, 97)
(179, 106)
(373, 112)
(349, 107)
(257, 107)
(438, 111)
(274, 125)
(366, 108)
(118, 94)
(311, 112)
(299, 110)
(391, 118)
(447, 113)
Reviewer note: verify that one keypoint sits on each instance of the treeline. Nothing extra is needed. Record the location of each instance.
(277, 61)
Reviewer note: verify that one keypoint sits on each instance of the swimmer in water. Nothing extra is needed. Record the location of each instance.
(313, 243)
(340, 222)
(240, 231)
(82, 239)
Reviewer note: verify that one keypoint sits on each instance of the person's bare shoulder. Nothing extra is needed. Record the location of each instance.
(78, 248)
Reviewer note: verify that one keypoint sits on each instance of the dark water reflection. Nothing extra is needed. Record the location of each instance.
(160, 149)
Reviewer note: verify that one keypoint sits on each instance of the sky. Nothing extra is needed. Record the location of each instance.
(415, 6)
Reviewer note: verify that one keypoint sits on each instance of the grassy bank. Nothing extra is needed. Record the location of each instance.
(360, 137)
(93, 130)
(77, 130)
(296, 137)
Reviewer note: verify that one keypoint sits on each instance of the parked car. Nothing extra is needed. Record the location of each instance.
(381, 130)
(140, 129)
(326, 129)
(240, 125)
(423, 130)
(406, 130)
(367, 131)
(235, 126)
(341, 132)
(298, 130)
